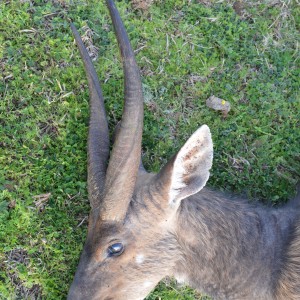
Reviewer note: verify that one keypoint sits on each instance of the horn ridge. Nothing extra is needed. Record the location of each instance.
(98, 136)
(125, 156)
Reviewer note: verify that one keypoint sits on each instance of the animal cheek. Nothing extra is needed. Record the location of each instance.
(121, 264)
(100, 255)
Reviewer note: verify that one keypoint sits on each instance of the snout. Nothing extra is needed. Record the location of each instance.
(91, 287)
(83, 289)
(78, 292)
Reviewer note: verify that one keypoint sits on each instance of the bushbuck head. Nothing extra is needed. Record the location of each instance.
(131, 243)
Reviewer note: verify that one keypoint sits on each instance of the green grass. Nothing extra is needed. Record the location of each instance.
(188, 50)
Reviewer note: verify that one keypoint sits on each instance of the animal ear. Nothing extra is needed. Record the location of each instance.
(188, 171)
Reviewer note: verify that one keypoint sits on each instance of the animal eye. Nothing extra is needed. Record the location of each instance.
(115, 249)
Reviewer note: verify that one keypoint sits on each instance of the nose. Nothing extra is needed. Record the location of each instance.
(74, 294)
(77, 292)
(85, 291)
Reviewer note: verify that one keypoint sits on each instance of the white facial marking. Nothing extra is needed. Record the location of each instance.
(147, 284)
(180, 278)
(139, 259)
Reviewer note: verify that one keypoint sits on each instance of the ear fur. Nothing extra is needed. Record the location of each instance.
(188, 171)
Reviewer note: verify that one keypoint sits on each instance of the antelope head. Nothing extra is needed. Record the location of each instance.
(131, 243)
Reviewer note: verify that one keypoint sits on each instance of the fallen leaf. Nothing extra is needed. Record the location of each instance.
(12, 204)
(218, 104)
(41, 201)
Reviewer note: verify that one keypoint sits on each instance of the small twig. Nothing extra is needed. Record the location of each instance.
(82, 222)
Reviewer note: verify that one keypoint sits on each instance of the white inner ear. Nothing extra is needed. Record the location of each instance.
(192, 165)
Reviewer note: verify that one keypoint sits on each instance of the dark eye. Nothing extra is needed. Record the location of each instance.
(115, 249)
